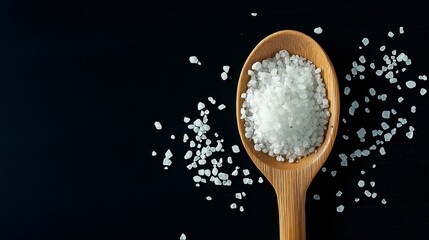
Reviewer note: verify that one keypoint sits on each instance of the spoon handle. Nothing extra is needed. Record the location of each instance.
(291, 207)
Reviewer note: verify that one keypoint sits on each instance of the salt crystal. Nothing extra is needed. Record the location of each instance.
(357, 199)
(365, 41)
(153, 153)
(182, 237)
(188, 154)
(260, 180)
(333, 173)
(390, 34)
(346, 90)
(382, 48)
(401, 30)
(225, 68)
(362, 59)
(221, 107)
(372, 91)
(235, 149)
(173, 137)
(383, 201)
(318, 30)
(409, 134)
(339, 193)
(316, 197)
(340, 208)
(254, 14)
(410, 84)
(382, 151)
(224, 76)
(200, 106)
(374, 195)
(423, 91)
(193, 59)
(209, 198)
(372, 183)
(233, 206)
(385, 114)
(241, 208)
(367, 193)
(413, 109)
(400, 99)
(158, 125)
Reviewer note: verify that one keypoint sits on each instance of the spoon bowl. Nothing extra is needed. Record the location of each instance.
(291, 180)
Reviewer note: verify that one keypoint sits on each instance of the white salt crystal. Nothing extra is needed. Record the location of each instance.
(372, 91)
(186, 119)
(235, 149)
(318, 30)
(246, 172)
(238, 196)
(361, 183)
(423, 91)
(224, 76)
(390, 34)
(233, 206)
(382, 48)
(362, 59)
(209, 198)
(413, 109)
(382, 151)
(401, 30)
(374, 195)
(346, 90)
(383, 201)
(260, 180)
(316, 197)
(400, 99)
(409, 134)
(372, 65)
(365, 152)
(385, 114)
(241, 208)
(410, 84)
(200, 106)
(333, 173)
(188, 154)
(254, 14)
(225, 68)
(339, 193)
(365, 41)
(182, 237)
(372, 183)
(340, 208)
(158, 125)
(193, 59)
(153, 153)
(323, 169)
(361, 133)
(367, 193)
(357, 199)
(172, 136)
(387, 137)
(221, 107)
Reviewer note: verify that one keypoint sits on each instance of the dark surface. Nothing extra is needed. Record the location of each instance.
(81, 85)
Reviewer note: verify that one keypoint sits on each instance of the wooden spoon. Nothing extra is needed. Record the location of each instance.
(291, 180)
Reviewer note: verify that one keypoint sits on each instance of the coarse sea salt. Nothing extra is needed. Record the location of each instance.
(285, 108)
(318, 30)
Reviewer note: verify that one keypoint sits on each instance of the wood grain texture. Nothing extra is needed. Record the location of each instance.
(291, 180)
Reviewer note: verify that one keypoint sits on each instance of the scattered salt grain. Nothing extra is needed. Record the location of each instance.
(201, 106)
(182, 237)
(208, 198)
(333, 173)
(346, 90)
(318, 30)
(188, 154)
(186, 120)
(367, 193)
(316, 197)
(339, 193)
(221, 107)
(357, 199)
(410, 84)
(401, 30)
(233, 206)
(365, 41)
(241, 208)
(340, 208)
(225, 68)
(382, 48)
(260, 180)
(254, 14)
(409, 134)
(390, 34)
(383, 201)
(172, 136)
(224, 76)
(413, 109)
(194, 60)
(423, 91)
(372, 183)
(158, 125)
(235, 149)
(385, 114)
(382, 151)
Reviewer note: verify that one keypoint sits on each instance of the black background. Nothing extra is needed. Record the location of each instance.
(81, 84)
